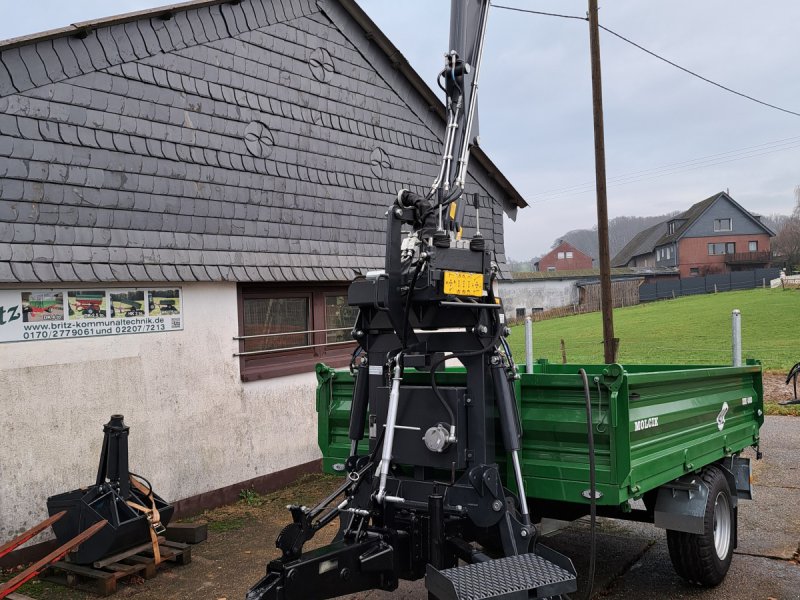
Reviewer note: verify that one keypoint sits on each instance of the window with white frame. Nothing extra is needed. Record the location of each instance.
(721, 248)
(723, 225)
(560, 256)
(752, 246)
(569, 254)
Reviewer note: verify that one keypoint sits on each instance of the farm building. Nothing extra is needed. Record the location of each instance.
(526, 294)
(716, 235)
(207, 177)
(564, 257)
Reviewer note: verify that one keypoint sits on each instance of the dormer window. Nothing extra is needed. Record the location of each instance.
(671, 227)
(723, 225)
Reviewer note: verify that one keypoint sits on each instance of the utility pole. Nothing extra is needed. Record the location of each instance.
(606, 301)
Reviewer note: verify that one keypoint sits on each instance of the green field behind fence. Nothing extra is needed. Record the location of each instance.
(688, 330)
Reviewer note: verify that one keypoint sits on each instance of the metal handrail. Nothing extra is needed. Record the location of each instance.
(261, 335)
(273, 350)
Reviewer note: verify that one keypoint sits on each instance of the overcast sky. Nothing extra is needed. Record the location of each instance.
(535, 107)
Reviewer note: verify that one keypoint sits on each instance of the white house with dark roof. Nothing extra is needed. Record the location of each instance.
(184, 194)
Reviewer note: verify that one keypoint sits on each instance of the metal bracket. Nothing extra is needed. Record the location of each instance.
(681, 504)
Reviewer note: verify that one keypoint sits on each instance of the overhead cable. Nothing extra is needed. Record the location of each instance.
(653, 54)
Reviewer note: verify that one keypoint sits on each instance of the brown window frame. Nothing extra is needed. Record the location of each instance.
(291, 362)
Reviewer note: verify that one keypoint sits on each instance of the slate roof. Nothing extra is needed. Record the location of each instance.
(689, 217)
(210, 141)
(643, 242)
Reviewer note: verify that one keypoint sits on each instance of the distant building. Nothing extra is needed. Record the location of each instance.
(564, 257)
(639, 252)
(716, 235)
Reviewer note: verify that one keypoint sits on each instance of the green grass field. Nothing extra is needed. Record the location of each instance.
(689, 330)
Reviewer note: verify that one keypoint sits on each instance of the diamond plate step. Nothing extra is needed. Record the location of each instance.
(522, 577)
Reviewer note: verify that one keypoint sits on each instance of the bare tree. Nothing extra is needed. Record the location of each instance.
(786, 245)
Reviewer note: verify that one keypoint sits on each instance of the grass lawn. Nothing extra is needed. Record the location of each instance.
(688, 330)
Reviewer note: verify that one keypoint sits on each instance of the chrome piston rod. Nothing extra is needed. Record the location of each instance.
(388, 440)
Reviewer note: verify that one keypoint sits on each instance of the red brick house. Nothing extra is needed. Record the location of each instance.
(564, 257)
(716, 235)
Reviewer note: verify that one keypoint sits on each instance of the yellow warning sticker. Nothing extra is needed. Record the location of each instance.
(457, 283)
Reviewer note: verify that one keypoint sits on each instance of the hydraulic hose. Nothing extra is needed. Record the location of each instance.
(592, 485)
(407, 311)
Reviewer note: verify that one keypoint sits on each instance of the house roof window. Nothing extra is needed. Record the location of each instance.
(723, 225)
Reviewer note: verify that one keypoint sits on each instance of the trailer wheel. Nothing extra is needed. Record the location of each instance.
(704, 558)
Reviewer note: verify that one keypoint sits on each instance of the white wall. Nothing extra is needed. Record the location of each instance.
(538, 293)
(195, 426)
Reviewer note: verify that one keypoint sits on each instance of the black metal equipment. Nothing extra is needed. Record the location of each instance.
(430, 491)
(791, 377)
(124, 499)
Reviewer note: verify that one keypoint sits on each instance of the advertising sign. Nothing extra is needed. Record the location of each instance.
(57, 314)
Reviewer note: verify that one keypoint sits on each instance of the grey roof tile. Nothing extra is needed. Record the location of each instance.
(155, 273)
(149, 36)
(42, 253)
(185, 273)
(134, 35)
(62, 254)
(138, 272)
(14, 64)
(7, 275)
(24, 272)
(120, 272)
(109, 43)
(21, 253)
(213, 272)
(102, 272)
(170, 273)
(65, 272)
(199, 272)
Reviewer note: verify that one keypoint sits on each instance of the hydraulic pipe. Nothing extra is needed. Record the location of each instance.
(391, 422)
(510, 428)
(507, 407)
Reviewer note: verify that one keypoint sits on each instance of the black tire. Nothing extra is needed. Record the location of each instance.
(704, 559)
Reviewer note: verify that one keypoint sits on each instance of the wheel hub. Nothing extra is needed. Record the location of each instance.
(722, 525)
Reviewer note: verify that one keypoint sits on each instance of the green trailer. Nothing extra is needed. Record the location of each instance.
(668, 435)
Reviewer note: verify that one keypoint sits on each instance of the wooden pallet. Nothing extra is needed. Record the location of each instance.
(101, 577)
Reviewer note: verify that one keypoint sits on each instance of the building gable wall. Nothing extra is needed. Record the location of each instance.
(578, 261)
(723, 209)
(247, 142)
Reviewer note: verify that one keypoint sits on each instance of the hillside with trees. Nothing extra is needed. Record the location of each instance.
(786, 244)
